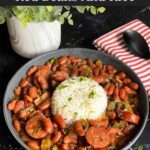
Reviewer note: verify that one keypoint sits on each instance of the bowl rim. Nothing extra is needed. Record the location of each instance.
(5, 110)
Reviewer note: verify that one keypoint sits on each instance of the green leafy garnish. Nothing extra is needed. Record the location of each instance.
(63, 87)
(85, 124)
(117, 124)
(64, 106)
(27, 14)
(69, 99)
(75, 114)
(73, 78)
(52, 60)
(82, 79)
(70, 21)
(140, 147)
(112, 104)
(31, 110)
(101, 9)
(91, 111)
(93, 10)
(92, 94)
(50, 8)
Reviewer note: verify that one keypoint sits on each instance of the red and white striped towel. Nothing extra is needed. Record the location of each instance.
(113, 44)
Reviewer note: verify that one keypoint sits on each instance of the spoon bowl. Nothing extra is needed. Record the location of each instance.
(136, 43)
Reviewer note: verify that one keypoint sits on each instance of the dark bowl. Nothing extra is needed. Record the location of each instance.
(83, 53)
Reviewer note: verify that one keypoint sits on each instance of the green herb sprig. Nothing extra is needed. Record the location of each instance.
(27, 14)
(92, 94)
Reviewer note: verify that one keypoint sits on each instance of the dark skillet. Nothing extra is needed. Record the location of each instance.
(84, 53)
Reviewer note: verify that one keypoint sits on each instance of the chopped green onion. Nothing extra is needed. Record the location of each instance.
(69, 99)
(117, 124)
(82, 79)
(52, 60)
(64, 106)
(85, 124)
(63, 87)
(31, 110)
(75, 114)
(92, 94)
(91, 111)
(112, 104)
(72, 78)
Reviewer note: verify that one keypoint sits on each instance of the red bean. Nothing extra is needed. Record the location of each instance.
(111, 89)
(127, 81)
(60, 121)
(134, 86)
(32, 70)
(62, 60)
(116, 94)
(90, 63)
(33, 92)
(122, 75)
(11, 105)
(48, 126)
(43, 82)
(74, 59)
(56, 137)
(55, 66)
(28, 98)
(98, 79)
(79, 128)
(69, 139)
(45, 104)
(100, 123)
(17, 91)
(33, 145)
(55, 125)
(96, 71)
(111, 114)
(60, 76)
(17, 125)
(64, 147)
(129, 90)
(19, 105)
(62, 68)
(122, 94)
(24, 82)
(111, 70)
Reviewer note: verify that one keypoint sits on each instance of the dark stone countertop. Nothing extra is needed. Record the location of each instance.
(86, 28)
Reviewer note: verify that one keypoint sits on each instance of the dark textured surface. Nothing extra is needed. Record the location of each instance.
(87, 27)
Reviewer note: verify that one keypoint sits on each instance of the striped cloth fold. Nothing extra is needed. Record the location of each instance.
(113, 44)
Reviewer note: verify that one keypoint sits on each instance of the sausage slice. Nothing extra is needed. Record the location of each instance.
(98, 137)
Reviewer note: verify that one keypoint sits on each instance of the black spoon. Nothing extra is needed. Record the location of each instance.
(136, 43)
